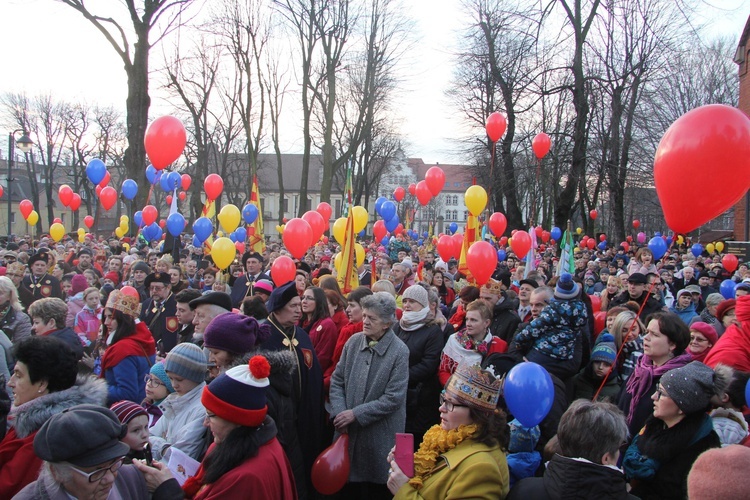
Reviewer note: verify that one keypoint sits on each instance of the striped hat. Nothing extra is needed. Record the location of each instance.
(239, 395)
(187, 360)
(127, 411)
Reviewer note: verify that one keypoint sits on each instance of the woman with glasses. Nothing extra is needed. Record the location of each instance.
(316, 321)
(661, 455)
(463, 456)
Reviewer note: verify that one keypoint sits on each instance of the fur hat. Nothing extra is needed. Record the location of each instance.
(126, 304)
(239, 394)
(417, 294)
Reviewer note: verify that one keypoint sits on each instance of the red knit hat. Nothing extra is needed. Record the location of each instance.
(127, 411)
(706, 330)
(113, 277)
(239, 395)
(720, 473)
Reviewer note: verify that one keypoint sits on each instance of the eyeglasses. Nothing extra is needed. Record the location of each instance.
(153, 382)
(99, 474)
(450, 406)
(157, 288)
(660, 393)
(700, 340)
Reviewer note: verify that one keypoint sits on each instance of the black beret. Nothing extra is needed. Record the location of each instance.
(251, 255)
(303, 266)
(86, 251)
(220, 299)
(531, 283)
(157, 278)
(503, 277)
(37, 257)
(281, 296)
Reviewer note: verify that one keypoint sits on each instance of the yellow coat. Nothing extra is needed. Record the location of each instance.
(470, 470)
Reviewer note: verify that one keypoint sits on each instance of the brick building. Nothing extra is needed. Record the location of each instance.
(742, 58)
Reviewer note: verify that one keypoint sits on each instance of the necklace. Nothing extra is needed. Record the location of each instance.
(289, 341)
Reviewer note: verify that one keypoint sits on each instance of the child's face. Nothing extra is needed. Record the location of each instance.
(137, 436)
(208, 280)
(92, 300)
(109, 282)
(67, 286)
(155, 389)
(601, 368)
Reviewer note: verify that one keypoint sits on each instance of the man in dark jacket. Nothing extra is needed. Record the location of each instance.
(505, 318)
(637, 292)
(160, 312)
(242, 287)
(589, 439)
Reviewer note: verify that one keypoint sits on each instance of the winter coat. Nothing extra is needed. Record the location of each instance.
(573, 478)
(555, 331)
(19, 465)
(372, 382)
(181, 425)
(454, 355)
(732, 349)
(323, 335)
(585, 385)
(687, 315)
(125, 379)
(68, 336)
(16, 325)
(129, 484)
(730, 425)
(75, 305)
(470, 470)
(344, 335)
(505, 318)
(652, 305)
(88, 323)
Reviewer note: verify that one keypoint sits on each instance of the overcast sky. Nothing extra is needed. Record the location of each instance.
(50, 48)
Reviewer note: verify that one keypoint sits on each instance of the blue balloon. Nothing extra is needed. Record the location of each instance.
(657, 233)
(197, 242)
(747, 393)
(129, 188)
(250, 213)
(727, 288)
(96, 170)
(658, 247)
(151, 174)
(425, 234)
(529, 393)
(152, 232)
(420, 242)
(233, 237)
(175, 224)
(391, 224)
(164, 183)
(362, 234)
(555, 234)
(138, 218)
(203, 228)
(388, 210)
(501, 255)
(241, 233)
(384, 241)
(453, 228)
(696, 250)
(379, 203)
(669, 240)
(175, 179)
(603, 245)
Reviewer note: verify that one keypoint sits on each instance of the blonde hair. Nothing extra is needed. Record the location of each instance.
(383, 286)
(89, 291)
(7, 286)
(618, 327)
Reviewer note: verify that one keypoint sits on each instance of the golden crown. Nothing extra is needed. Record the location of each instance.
(126, 304)
(478, 388)
(493, 286)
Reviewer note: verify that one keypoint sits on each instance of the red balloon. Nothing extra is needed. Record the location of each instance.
(213, 186)
(582, 244)
(541, 144)
(538, 230)
(182, 196)
(186, 181)
(284, 220)
(165, 140)
(330, 472)
(498, 223)
(413, 189)
(602, 237)
(546, 236)
(398, 193)
(240, 246)
(106, 179)
(26, 208)
(149, 215)
(379, 230)
(435, 179)
(482, 260)
(399, 229)
(504, 240)
(130, 292)
(1, 191)
(98, 190)
(521, 244)
(57, 220)
(317, 223)
(625, 245)
(591, 243)
(297, 237)
(513, 232)
(169, 199)
(629, 238)
(162, 223)
(593, 214)
(108, 197)
(65, 194)
(89, 221)
(75, 202)
(423, 193)
(495, 126)
(283, 270)
(716, 135)
(596, 303)
(636, 224)
(458, 245)
(325, 210)
(730, 262)
(600, 321)
(445, 247)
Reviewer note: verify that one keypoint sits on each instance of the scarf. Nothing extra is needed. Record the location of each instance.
(414, 320)
(436, 442)
(458, 317)
(639, 383)
(470, 344)
(140, 343)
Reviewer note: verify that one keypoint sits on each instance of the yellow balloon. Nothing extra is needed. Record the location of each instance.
(360, 251)
(219, 234)
(119, 232)
(126, 247)
(229, 217)
(223, 252)
(579, 230)
(57, 231)
(124, 227)
(81, 238)
(81, 231)
(337, 260)
(33, 218)
(339, 229)
(360, 218)
(719, 246)
(124, 218)
(710, 248)
(280, 228)
(510, 240)
(475, 199)
(680, 240)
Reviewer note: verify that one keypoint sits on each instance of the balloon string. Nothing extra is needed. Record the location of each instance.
(492, 179)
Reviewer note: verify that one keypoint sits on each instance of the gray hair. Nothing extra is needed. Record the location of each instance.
(545, 291)
(53, 475)
(432, 295)
(589, 429)
(713, 299)
(7, 286)
(382, 304)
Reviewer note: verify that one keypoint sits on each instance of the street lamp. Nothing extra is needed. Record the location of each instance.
(24, 144)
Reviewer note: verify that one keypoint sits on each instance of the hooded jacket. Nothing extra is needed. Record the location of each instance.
(505, 318)
(19, 465)
(181, 425)
(128, 361)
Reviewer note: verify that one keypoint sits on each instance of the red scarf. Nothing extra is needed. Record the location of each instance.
(140, 343)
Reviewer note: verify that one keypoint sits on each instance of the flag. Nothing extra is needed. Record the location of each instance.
(347, 276)
(531, 256)
(470, 236)
(567, 262)
(257, 239)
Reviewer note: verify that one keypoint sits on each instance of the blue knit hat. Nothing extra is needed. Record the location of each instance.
(159, 372)
(604, 351)
(566, 288)
(187, 360)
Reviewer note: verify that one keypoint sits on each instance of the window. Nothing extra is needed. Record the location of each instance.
(62, 218)
(448, 200)
(466, 214)
(455, 199)
(337, 209)
(308, 205)
(457, 184)
(13, 218)
(284, 205)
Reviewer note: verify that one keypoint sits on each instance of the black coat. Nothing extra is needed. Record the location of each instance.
(162, 322)
(652, 305)
(505, 319)
(42, 288)
(243, 287)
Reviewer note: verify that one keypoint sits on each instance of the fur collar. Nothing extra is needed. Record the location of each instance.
(662, 443)
(30, 416)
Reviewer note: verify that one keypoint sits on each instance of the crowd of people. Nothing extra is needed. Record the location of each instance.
(119, 358)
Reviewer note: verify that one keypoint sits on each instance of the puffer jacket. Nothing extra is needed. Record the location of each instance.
(555, 331)
(181, 425)
(16, 325)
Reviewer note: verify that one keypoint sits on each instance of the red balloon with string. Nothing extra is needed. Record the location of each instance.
(541, 144)
(495, 126)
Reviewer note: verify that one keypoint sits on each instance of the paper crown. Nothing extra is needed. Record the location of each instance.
(475, 387)
(493, 286)
(126, 304)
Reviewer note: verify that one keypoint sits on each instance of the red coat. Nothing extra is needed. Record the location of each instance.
(733, 349)
(19, 465)
(344, 335)
(323, 335)
(340, 319)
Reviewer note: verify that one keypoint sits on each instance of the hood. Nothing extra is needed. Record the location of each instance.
(576, 478)
(29, 417)
(507, 304)
(283, 364)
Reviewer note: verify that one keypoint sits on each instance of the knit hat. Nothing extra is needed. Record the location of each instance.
(566, 288)
(264, 285)
(690, 387)
(141, 266)
(706, 330)
(474, 387)
(159, 372)
(417, 294)
(126, 304)
(113, 277)
(720, 473)
(239, 394)
(127, 411)
(234, 333)
(281, 296)
(78, 284)
(605, 352)
(684, 291)
(187, 360)
(724, 307)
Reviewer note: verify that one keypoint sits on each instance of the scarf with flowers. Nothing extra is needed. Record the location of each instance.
(471, 344)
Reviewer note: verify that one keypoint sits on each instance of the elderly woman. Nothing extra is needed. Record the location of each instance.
(230, 337)
(13, 321)
(708, 315)
(463, 456)
(43, 384)
(368, 396)
(702, 338)
(660, 456)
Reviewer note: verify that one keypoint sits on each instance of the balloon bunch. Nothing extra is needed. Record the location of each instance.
(30, 215)
(123, 228)
(68, 198)
(387, 210)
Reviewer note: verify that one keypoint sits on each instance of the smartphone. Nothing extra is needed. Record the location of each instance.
(149, 456)
(404, 453)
